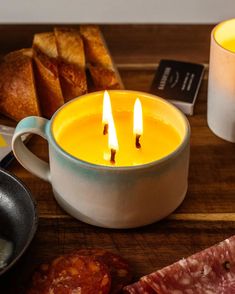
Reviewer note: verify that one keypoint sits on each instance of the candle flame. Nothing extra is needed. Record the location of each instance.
(138, 118)
(107, 109)
(112, 135)
(107, 119)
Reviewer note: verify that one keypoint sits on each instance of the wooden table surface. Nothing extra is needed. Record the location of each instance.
(207, 214)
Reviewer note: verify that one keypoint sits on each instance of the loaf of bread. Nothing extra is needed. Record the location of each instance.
(46, 73)
(37, 81)
(18, 97)
(102, 69)
(71, 62)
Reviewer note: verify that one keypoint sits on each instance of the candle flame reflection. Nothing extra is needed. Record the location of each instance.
(112, 140)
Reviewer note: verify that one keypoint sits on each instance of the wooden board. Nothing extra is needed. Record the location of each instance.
(147, 249)
(208, 213)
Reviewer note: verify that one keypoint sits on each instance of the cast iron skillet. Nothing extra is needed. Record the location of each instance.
(18, 216)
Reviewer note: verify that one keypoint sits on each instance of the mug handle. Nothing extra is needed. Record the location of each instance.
(31, 125)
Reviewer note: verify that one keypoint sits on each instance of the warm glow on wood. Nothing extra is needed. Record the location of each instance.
(138, 118)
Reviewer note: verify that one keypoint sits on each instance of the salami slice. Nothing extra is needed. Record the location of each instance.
(74, 274)
(211, 271)
(119, 269)
(140, 287)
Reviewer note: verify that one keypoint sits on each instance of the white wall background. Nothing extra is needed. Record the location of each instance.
(116, 11)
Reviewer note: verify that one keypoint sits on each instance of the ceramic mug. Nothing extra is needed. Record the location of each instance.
(106, 196)
(221, 84)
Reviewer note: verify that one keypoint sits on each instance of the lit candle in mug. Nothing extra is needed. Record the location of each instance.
(142, 186)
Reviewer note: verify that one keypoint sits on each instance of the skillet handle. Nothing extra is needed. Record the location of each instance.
(31, 125)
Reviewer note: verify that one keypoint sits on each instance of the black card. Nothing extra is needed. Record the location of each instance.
(178, 82)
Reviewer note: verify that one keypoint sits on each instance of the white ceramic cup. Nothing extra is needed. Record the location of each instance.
(221, 87)
(114, 197)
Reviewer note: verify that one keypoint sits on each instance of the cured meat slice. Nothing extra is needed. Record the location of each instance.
(119, 269)
(74, 274)
(175, 277)
(83, 274)
(140, 287)
(211, 271)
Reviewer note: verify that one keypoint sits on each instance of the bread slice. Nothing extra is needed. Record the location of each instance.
(104, 78)
(46, 73)
(102, 69)
(18, 97)
(71, 62)
(45, 42)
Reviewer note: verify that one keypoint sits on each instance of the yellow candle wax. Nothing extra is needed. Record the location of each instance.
(225, 34)
(83, 138)
(229, 44)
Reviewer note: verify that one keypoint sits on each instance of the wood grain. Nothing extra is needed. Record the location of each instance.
(130, 43)
(146, 249)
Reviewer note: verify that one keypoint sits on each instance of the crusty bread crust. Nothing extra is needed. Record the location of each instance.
(95, 48)
(103, 71)
(48, 84)
(104, 78)
(46, 73)
(45, 42)
(18, 97)
(70, 46)
(71, 62)
(73, 80)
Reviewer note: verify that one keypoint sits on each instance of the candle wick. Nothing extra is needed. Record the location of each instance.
(137, 141)
(112, 158)
(105, 130)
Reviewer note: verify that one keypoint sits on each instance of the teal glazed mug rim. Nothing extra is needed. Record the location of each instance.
(87, 164)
